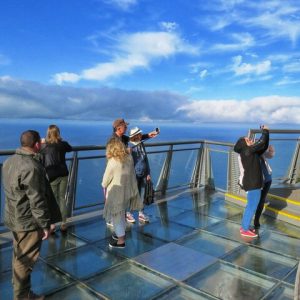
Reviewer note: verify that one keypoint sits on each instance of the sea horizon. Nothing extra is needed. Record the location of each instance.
(96, 132)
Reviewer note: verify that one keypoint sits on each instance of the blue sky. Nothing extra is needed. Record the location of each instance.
(186, 60)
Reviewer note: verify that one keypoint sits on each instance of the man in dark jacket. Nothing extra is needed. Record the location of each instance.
(251, 175)
(28, 197)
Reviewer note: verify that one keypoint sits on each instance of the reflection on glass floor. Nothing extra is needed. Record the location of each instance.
(191, 249)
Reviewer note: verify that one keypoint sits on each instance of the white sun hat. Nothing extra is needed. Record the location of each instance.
(134, 131)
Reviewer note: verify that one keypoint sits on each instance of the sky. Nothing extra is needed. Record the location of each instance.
(149, 60)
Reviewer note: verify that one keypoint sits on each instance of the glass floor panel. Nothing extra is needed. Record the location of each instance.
(5, 259)
(165, 230)
(75, 292)
(223, 209)
(91, 231)
(229, 230)
(85, 261)
(209, 244)
(291, 278)
(280, 226)
(5, 242)
(136, 244)
(6, 286)
(227, 282)
(270, 223)
(59, 242)
(264, 262)
(163, 211)
(211, 258)
(175, 260)
(279, 243)
(44, 279)
(282, 292)
(195, 219)
(128, 281)
(187, 203)
(180, 293)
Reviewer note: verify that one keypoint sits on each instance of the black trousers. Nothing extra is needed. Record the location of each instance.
(261, 203)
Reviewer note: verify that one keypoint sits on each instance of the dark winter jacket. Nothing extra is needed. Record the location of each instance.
(251, 176)
(29, 200)
(54, 159)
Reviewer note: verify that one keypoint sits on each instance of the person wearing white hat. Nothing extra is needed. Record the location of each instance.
(142, 169)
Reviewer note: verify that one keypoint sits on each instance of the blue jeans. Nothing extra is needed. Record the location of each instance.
(253, 197)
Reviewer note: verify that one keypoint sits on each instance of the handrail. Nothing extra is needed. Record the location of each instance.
(201, 172)
(158, 144)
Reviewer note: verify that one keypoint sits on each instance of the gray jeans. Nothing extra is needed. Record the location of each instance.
(59, 187)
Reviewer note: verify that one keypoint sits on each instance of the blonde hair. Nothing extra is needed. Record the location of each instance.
(116, 149)
(53, 134)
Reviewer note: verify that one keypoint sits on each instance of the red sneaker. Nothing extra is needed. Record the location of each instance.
(248, 233)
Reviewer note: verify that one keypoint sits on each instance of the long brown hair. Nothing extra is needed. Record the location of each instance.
(53, 134)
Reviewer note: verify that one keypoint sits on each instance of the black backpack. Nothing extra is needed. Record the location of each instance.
(149, 193)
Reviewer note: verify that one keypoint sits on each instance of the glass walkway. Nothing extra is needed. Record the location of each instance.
(191, 249)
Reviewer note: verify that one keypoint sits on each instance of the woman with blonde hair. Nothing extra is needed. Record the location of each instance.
(54, 159)
(121, 190)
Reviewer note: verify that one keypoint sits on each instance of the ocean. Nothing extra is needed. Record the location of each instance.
(84, 133)
(79, 133)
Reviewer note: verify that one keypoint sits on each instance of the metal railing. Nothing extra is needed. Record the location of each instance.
(174, 165)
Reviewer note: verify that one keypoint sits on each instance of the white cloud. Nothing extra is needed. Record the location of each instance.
(241, 68)
(287, 81)
(241, 41)
(168, 26)
(249, 79)
(276, 19)
(293, 67)
(60, 78)
(273, 19)
(133, 51)
(203, 74)
(267, 110)
(122, 4)
(26, 99)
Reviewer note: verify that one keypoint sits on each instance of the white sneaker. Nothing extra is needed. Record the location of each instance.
(143, 217)
(130, 218)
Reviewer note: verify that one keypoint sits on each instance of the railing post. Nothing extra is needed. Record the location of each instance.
(196, 176)
(70, 196)
(207, 177)
(233, 173)
(294, 169)
(203, 174)
(163, 179)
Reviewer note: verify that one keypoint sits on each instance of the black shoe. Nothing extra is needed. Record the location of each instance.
(114, 244)
(114, 236)
(256, 226)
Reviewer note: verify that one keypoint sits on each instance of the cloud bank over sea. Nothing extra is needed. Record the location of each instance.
(29, 99)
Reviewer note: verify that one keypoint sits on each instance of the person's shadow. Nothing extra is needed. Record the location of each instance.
(277, 199)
